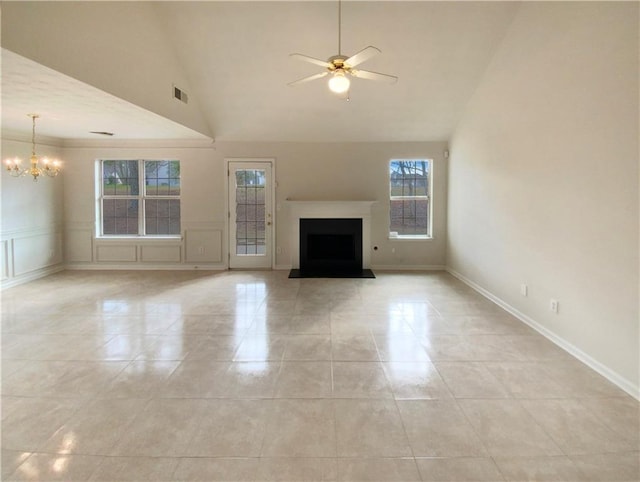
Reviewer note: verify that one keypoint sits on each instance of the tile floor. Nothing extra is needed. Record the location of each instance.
(251, 376)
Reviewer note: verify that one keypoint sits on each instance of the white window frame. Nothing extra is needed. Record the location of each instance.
(428, 198)
(141, 197)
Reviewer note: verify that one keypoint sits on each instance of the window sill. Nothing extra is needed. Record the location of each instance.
(139, 238)
(416, 237)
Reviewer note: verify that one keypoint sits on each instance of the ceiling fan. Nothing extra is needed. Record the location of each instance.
(340, 66)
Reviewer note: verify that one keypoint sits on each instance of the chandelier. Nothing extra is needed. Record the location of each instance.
(50, 167)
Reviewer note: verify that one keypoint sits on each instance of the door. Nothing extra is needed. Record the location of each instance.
(250, 214)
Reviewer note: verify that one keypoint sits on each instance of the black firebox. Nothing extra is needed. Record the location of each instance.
(331, 247)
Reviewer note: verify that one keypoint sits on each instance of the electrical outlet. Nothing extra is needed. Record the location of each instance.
(278, 250)
(200, 249)
(524, 289)
(554, 306)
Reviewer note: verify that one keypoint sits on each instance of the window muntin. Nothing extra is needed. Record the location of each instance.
(410, 198)
(250, 211)
(140, 198)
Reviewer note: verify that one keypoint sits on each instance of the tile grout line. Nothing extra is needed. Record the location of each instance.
(395, 403)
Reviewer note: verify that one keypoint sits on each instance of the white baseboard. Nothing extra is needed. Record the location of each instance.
(592, 363)
(404, 267)
(282, 267)
(146, 267)
(31, 276)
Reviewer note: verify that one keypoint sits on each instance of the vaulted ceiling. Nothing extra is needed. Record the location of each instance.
(111, 66)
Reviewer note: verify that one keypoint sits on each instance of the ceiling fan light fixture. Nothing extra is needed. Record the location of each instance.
(339, 83)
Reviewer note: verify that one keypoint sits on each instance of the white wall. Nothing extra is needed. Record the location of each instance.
(544, 179)
(118, 47)
(357, 171)
(32, 216)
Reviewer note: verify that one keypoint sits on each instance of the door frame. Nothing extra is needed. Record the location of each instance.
(272, 194)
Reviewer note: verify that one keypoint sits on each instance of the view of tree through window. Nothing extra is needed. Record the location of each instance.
(250, 211)
(409, 197)
(128, 185)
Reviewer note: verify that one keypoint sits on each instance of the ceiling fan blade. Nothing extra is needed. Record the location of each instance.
(366, 74)
(306, 58)
(365, 54)
(307, 79)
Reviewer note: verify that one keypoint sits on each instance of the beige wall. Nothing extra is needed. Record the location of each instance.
(353, 171)
(202, 213)
(32, 217)
(544, 179)
(304, 171)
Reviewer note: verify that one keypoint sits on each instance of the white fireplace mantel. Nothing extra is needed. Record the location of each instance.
(330, 209)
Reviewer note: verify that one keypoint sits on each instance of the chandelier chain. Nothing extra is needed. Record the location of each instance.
(33, 133)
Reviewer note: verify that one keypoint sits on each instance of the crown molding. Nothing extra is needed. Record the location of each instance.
(139, 143)
(21, 136)
(42, 140)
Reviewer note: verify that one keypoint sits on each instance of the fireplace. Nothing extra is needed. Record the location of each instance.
(330, 246)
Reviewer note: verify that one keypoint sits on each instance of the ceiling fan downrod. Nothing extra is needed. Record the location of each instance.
(339, 27)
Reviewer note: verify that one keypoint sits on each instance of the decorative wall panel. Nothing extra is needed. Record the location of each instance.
(4, 260)
(116, 253)
(160, 254)
(78, 245)
(31, 252)
(203, 245)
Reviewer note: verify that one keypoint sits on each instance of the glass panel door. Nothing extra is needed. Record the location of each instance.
(250, 214)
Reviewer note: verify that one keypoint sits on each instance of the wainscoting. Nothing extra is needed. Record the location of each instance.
(198, 248)
(29, 254)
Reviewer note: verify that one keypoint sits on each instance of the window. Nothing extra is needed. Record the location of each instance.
(250, 211)
(410, 198)
(139, 198)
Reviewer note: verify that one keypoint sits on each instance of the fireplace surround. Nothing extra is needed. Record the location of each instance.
(330, 238)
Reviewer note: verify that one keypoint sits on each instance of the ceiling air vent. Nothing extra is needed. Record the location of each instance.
(180, 94)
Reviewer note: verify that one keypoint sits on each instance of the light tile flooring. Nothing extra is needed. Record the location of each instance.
(252, 376)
